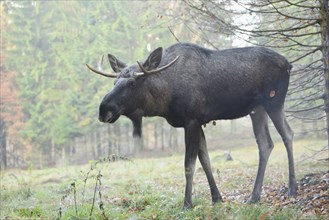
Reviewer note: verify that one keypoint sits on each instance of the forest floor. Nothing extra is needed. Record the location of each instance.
(118, 188)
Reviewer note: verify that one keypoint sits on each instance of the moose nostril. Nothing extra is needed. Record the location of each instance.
(106, 117)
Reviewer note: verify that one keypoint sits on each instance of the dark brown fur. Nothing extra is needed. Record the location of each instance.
(205, 85)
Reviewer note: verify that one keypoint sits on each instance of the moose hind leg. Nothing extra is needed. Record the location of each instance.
(206, 165)
(192, 140)
(280, 122)
(265, 145)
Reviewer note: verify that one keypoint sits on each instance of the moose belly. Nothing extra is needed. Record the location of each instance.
(180, 115)
(230, 109)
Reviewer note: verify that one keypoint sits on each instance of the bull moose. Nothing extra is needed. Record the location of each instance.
(189, 86)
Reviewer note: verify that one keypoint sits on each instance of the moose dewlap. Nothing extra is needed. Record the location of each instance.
(190, 86)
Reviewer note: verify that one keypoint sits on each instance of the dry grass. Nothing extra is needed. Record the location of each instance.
(153, 188)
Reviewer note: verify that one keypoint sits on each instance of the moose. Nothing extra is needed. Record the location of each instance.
(190, 86)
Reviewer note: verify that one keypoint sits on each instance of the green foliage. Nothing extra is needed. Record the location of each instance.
(33, 212)
(48, 45)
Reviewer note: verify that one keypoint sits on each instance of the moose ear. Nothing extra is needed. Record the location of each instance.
(116, 64)
(154, 59)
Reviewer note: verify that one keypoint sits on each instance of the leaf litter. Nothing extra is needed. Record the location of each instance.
(312, 195)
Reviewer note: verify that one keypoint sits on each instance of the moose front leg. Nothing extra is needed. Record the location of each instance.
(192, 141)
(205, 162)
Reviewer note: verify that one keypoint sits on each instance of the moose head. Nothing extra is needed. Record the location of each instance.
(129, 92)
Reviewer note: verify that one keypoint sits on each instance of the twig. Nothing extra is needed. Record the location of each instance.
(59, 213)
(67, 193)
(306, 54)
(218, 172)
(101, 204)
(92, 206)
(110, 158)
(114, 157)
(75, 197)
(173, 34)
(313, 156)
(85, 182)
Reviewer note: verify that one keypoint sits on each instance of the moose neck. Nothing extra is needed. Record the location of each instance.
(157, 96)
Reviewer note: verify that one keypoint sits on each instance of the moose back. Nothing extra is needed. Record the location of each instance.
(189, 86)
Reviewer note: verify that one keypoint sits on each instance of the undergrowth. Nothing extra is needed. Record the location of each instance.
(119, 188)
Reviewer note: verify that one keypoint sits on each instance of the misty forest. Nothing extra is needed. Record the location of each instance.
(58, 161)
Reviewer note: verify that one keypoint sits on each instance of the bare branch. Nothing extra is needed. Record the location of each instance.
(307, 54)
(173, 34)
(292, 17)
(298, 4)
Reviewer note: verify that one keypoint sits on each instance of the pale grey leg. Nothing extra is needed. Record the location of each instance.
(280, 122)
(265, 145)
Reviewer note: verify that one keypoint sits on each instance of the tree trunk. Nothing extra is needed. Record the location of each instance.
(63, 156)
(3, 145)
(324, 11)
(52, 152)
(155, 134)
(109, 141)
(162, 135)
(98, 143)
(118, 129)
(127, 139)
(93, 143)
(233, 127)
(72, 151)
(40, 159)
(173, 139)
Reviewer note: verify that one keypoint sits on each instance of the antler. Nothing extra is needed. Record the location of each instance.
(100, 69)
(156, 70)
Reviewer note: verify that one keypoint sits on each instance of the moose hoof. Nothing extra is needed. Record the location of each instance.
(292, 192)
(187, 206)
(253, 200)
(217, 200)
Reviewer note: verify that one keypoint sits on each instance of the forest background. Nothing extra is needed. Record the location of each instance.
(49, 100)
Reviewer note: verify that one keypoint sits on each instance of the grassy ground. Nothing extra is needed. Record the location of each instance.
(153, 188)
